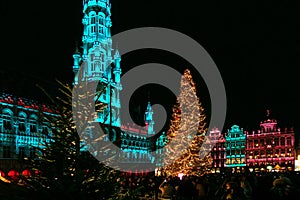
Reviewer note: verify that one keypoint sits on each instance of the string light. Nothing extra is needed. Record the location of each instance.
(182, 124)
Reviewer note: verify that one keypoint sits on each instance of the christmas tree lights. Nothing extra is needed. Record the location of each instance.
(188, 117)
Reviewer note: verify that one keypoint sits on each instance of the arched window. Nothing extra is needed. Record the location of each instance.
(7, 115)
(33, 123)
(101, 19)
(101, 23)
(92, 62)
(22, 122)
(93, 19)
(92, 23)
(102, 62)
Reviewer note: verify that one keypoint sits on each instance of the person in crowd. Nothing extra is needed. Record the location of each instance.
(186, 189)
(232, 191)
(167, 189)
(282, 189)
(246, 188)
(200, 191)
(151, 188)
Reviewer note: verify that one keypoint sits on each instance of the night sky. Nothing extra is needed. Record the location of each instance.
(255, 45)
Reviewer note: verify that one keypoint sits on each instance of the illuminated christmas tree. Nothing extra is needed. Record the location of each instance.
(186, 134)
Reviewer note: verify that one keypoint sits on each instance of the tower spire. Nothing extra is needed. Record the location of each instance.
(268, 113)
(149, 118)
(76, 65)
(97, 57)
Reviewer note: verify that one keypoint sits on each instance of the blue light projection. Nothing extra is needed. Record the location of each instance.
(235, 147)
(20, 126)
(97, 55)
(95, 58)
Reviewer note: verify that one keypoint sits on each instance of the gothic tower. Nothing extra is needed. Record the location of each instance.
(99, 60)
(149, 119)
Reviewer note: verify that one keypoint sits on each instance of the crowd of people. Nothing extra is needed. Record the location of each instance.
(219, 186)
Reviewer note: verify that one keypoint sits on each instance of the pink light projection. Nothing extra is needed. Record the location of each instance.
(270, 148)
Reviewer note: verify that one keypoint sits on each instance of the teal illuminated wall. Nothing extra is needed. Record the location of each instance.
(20, 125)
(235, 147)
(98, 60)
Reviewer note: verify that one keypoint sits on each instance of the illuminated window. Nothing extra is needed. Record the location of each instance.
(243, 144)
(92, 26)
(102, 57)
(92, 66)
(269, 153)
(256, 143)
(93, 19)
(101, 29)
(93, 29)
(101, 20)
(277, 152)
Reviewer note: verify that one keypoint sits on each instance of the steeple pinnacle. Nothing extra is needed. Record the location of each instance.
(149, 118)
(117, 55)
(97, 56)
